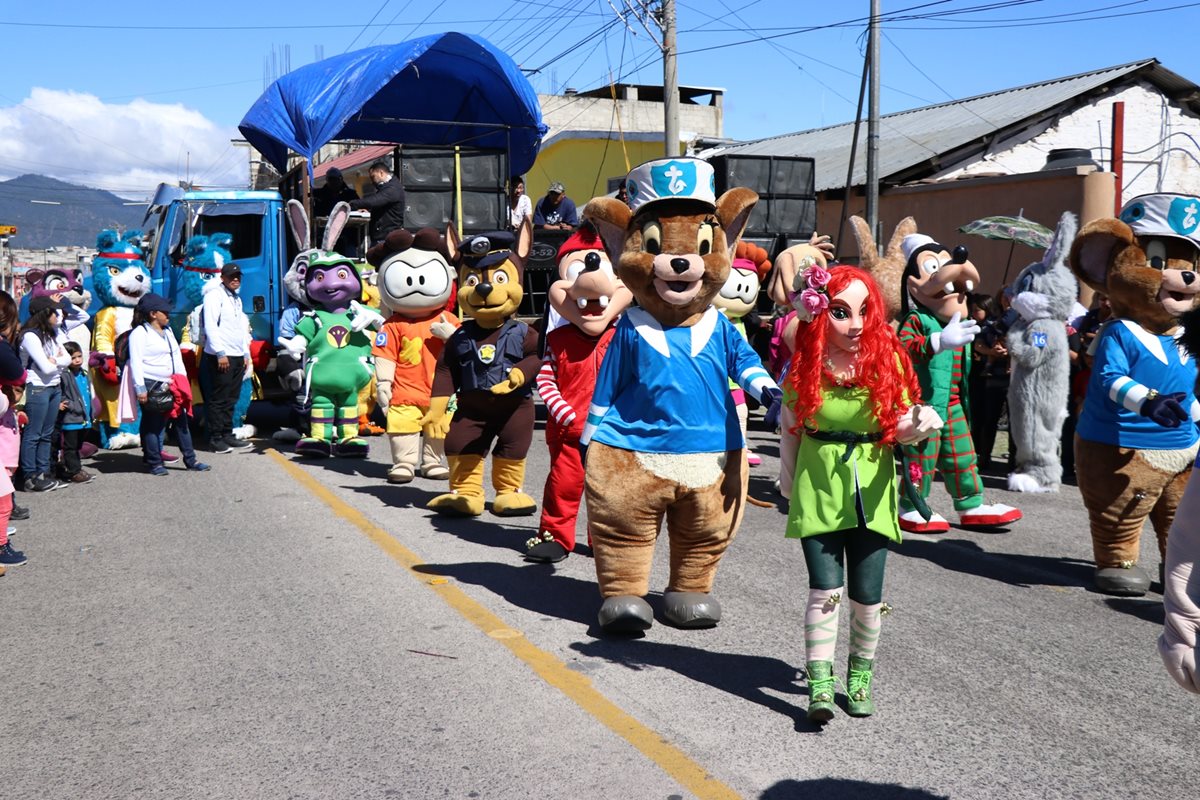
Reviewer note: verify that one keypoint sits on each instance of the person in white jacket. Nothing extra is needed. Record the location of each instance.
(43, 356)
(226, 351)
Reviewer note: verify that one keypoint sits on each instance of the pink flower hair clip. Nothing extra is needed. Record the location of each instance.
(810, 290)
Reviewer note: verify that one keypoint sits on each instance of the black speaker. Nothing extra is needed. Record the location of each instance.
(767, 175)
(759, 223)
(792, 216)
(426, 169)
(483, 170)
(482, 211)
(427, 208)
(543, 256)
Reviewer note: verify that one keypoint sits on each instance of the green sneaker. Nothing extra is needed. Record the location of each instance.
(858, 687)
(820, 691)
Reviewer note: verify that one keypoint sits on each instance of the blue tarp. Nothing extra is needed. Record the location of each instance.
(471, 92)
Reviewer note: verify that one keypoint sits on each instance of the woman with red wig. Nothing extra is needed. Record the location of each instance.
(854, 396)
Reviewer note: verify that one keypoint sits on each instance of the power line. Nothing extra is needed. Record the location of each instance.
(364, 27)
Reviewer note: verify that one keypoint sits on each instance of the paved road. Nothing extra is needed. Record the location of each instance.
(276, 629)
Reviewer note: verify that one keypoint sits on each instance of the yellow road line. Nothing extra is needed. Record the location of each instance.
(575, 686)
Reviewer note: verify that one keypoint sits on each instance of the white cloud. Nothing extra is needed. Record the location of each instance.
(127, 148)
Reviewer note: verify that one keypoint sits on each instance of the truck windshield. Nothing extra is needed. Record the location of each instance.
(242, 221)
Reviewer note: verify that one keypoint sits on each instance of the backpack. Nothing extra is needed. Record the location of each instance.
(121, 349)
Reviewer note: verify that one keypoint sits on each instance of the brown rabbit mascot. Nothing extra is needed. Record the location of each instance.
(662, 432)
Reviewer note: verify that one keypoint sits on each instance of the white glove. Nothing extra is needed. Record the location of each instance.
(442, 329)
(297, 345)
(383, 394)
(364, 317)
(917, 424)
(956, 334)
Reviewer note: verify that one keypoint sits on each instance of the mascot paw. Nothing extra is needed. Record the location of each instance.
(989, 516)
(436, 472)
(691, 609)
(513, 504)
(1131, 581)
(244, 432)
(456, 505)
(314, 448)
(124, 441)
(286, 435)
(352, 448)
(1021, 482)
(400, 473)
(913, 522)
(625, 614)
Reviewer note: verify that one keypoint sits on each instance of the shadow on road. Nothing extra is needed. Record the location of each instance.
(1148, 610)
(1015, 569)
(754, 678)
(534, 587)
(842, 789)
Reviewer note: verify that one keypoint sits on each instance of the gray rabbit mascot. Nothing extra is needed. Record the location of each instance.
(1044, 294)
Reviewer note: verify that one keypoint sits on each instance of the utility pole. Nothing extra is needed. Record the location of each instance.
(670, 81)
(873, 125)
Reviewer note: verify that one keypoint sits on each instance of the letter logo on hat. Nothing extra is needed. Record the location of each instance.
(673, 178)
(1184, 215)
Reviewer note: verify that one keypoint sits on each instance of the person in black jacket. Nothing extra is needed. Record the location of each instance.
(386, 204)
(328, 195)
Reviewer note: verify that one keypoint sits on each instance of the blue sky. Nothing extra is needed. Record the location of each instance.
(124, 94)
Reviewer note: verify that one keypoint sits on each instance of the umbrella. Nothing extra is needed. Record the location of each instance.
(1014, 229)
(1011, 229)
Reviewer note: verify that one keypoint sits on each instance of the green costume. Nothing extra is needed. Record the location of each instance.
(339, 364)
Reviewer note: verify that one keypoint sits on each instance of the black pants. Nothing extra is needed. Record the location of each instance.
(72, 438)
(222, 394)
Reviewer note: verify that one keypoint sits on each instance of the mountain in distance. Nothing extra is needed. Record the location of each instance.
(81, 213)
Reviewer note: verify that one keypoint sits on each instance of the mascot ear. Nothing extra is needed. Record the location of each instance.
(338, 218)
(223, 240)
(298, 222)
(733, 209)
(610, 217)
(106, 240)
(524, 239)
(196, 246)
(1064, 235)
(452, 242)
(1095, 247)
(34, 275)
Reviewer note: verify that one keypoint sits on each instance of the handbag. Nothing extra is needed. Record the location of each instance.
(159, 398)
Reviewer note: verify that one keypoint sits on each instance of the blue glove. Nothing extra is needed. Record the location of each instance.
(1165, 409)
(583, 454)
(773, 399)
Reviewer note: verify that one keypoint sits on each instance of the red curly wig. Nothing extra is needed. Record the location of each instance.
(883, 365)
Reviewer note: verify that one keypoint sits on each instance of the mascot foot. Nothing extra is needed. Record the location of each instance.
(368, 428)
(513, 504)
(625, 614)
(244, 432)
(456, 505)
(87, 450)
(438, 472)
(124, 441)
(352, 448)
(400, 473)
(1131, 581)
(913, 522)
(691, 609)
(286, 435)
(546, 552)
(988, 516)
(314, 448)
(1022, 482)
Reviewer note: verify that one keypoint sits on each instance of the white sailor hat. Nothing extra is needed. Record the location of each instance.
(671, 179)
(1175, 215)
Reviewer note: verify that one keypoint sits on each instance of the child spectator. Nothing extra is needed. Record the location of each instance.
(75, 415)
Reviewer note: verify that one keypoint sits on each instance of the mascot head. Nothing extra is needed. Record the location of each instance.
(119, 271)
(739, 295)
(414, 278)
(59, 280)
(587, 293)
(491, 270)
(935, 278)
(202, 262)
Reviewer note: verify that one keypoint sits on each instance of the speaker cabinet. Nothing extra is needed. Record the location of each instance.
(429, 168)
(427, 208)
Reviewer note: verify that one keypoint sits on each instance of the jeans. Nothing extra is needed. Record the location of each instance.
(41, 407)
(221, 393)
(153, 429)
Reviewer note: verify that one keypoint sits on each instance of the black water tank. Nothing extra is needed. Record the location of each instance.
(1069, 157)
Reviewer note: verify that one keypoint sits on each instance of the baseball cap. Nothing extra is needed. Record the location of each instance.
(231, 270)
(556, 188)
(43, 302)
(676, 178)
(153, 302)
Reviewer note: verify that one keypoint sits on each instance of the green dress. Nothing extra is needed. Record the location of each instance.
(826, 489)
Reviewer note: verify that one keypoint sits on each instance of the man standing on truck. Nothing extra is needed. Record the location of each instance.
(386, 204)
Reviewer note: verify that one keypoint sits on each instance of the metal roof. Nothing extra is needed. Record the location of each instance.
(919, 142)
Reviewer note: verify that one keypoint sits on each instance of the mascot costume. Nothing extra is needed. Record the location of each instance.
(203, 258)
(415, 281)
(332, 338)
(1136, 436)
(289, 365)
(490, 362)
(1044, 295)
(67, 282)
(590, 297)
(935, 334)
(120, 278)
(738, 298)
(1179, 644)
(662, 431)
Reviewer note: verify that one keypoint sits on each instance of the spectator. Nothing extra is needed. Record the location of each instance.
(12, 387)
(555, 211)
(983, 308)
(156, 365)
(43, 355)
(75, 415)
(226, 351)
(386, 204)
(328, 195)
(520, 207)
(623, 192)
(990, 343)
